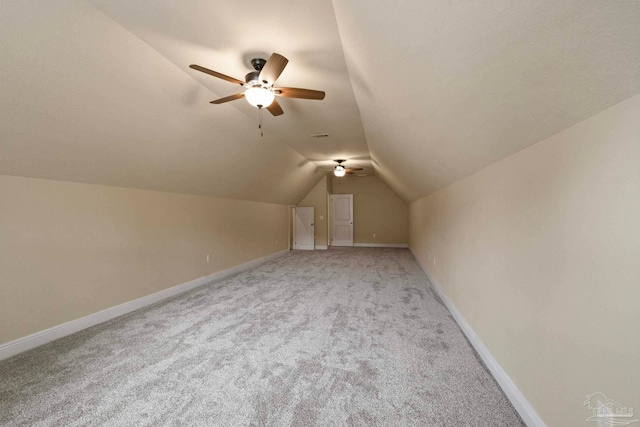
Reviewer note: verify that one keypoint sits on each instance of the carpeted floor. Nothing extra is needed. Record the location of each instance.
(345, 337)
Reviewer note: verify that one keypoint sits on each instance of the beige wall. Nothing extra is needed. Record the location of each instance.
(540, 252)
(68, 250)
(376, 210)
(317, 199)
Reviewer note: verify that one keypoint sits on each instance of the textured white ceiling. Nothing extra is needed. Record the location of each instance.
(448, 88)
(101, 92)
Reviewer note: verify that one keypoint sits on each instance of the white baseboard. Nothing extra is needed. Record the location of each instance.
(321, 247)
(381, 245)
(39, 338)
(519, 402)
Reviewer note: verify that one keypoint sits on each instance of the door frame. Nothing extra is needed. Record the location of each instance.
(291, 223)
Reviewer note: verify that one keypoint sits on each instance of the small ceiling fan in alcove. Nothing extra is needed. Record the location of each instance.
(340, 170)
(259, 85)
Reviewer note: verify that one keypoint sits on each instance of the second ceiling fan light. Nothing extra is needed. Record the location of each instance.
(339, 171)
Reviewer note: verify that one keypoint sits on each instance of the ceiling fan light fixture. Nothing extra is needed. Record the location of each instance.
(339, 171)
(259, 97)
(258, 84)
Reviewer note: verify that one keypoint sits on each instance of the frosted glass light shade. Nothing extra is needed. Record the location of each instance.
(259, 97)
(339, 171)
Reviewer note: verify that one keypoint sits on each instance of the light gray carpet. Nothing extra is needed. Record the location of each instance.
(345, 337)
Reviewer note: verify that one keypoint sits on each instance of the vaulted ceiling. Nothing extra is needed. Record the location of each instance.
(420, 93)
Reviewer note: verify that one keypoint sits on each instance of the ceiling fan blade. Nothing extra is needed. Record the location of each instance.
(273, 68)
(216, 74)
(354, 169)
(294, 92)
(348, 172)
(228, 98)
(275, 108)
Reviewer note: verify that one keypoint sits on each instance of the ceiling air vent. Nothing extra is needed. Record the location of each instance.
(319, 135)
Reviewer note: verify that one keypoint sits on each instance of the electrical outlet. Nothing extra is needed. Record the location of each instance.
(434, 260)
(208, 257)
(374, 234)
(276, 242)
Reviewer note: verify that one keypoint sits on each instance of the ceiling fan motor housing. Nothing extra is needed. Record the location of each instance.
(258, 63)
(252, 77)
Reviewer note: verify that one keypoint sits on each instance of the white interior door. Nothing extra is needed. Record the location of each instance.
(342, 220)
(303, 231)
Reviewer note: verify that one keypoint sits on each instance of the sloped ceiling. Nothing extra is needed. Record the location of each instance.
(422, 93)
(446, 88)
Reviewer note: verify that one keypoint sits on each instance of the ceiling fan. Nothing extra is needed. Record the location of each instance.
(340, 170)
(259, 85)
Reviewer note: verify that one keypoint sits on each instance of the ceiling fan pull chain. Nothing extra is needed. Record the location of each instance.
(260, 121)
